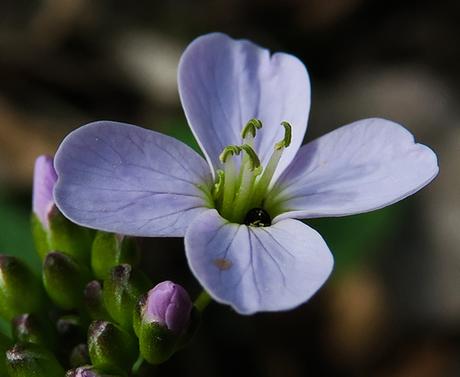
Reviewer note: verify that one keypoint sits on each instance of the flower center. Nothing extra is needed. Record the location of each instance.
(240, 190)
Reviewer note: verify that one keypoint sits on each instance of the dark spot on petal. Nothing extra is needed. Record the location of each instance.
(223, 264)
(257, 217)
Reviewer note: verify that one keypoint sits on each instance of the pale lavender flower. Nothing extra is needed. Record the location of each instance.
(242, 239)
(42, 196)
(169, 305)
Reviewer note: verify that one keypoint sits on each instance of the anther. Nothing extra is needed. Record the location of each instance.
(251, 127)
(253, 158)
(287, 136)
(229, 151)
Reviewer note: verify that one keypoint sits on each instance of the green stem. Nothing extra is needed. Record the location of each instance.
(137, 365)
(202, 301)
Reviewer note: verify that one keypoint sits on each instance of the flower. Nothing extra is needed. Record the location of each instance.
(44, 181)
(169, 305)
(239, 217)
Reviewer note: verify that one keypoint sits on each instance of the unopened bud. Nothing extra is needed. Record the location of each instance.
(161, 319)
(51, 230)
(110, 347)
(110, 250)
(122, 289)
(94, 301)
(64, 280)
(20, 290)
(27, 359)
(28, 328)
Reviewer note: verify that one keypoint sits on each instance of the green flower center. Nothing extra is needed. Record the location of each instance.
(239, 192)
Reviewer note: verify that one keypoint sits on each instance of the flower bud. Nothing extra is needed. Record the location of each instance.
(88, 371)
(111, 348)
(64, 280)
(20, 290)
(26, 360)
(110, 250)
(94, 301)
(79, 355)
(28, 328)
(161, 318)
(51, 230)
(169, 305)
(122, 289)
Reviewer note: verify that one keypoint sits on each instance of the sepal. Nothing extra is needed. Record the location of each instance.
(27, 360)
(64, 279)
(20, 290)
(110, 250)
(122, 289)
(111, 348)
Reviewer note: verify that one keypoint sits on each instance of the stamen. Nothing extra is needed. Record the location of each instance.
(287, 136)
(253, 160)
(229, 151)
(269, 171)
(251, 128)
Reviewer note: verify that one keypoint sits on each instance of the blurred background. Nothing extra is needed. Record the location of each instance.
(392, 306)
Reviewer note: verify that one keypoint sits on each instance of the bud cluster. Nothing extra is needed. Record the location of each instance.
(93, 313)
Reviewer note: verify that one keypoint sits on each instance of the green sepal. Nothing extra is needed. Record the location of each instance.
(156, 343)
(31, 360)
(29, 328)
(68, 237)
(20, 290)
(137, 313)
(122, 289)
(94, 301)
(64, 279)
(111, 348)
(110, 250)
(40, 237)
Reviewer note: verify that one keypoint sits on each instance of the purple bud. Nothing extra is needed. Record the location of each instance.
(45, 178)
(168, 304)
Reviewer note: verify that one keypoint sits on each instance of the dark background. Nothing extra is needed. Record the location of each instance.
(392, 306)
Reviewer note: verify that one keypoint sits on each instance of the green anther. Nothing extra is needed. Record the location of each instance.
(219, 185)
(251, 127)
(287, 136)
(253, 158)
(229, 151)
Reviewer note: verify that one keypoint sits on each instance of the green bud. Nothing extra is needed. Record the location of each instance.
(111, 348)
(28, 328)
(88, 371)
(68, 237)
(20, 290)
(94, 301)
(64, 280)
(61, 235)
(110, 250)
(122, 289)
(79, 355)
(31, 360)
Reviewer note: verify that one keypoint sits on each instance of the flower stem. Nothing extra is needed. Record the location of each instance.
(137, 365)
(202, 301)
